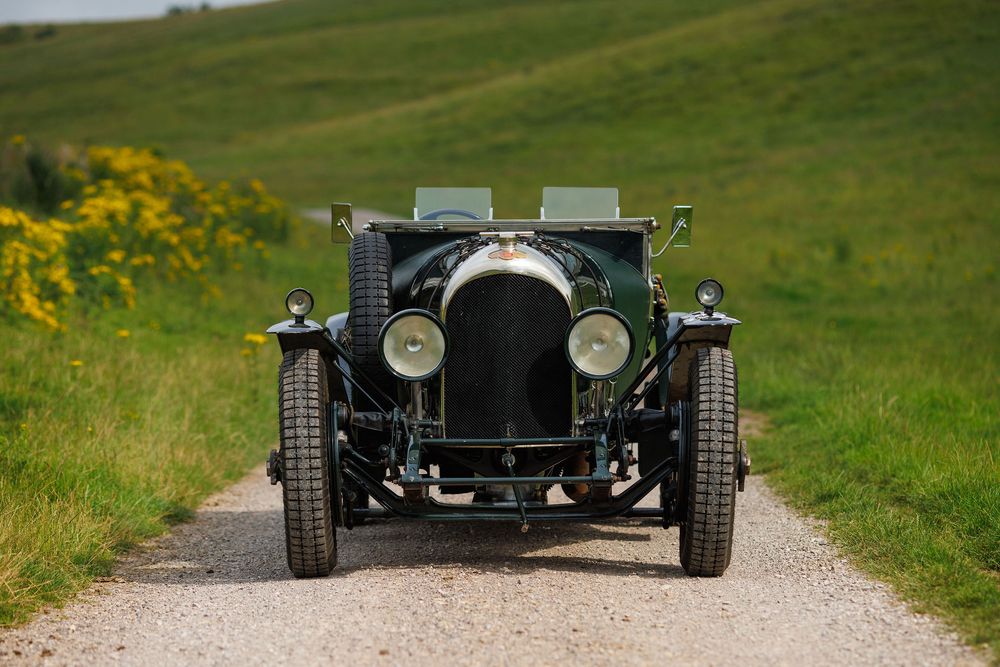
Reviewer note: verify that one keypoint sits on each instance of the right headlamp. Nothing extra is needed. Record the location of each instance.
(299, 302)
(599, 343)
(709, 294)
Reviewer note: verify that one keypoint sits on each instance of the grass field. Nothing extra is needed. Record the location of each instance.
(842, 158)
(100, 455)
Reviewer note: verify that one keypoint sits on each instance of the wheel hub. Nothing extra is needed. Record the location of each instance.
(742, 466)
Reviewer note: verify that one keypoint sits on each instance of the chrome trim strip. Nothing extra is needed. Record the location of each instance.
(527, 262)
(648, 225)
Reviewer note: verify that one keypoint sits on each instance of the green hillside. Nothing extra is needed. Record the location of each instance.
(842, 158)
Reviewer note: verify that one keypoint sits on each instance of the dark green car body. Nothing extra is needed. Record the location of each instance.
(512, 356)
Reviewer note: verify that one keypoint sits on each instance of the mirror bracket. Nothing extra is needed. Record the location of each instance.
(341, 230)
(680, 229)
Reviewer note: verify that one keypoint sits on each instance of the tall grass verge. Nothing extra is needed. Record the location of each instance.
(145, 383)
(107, 440)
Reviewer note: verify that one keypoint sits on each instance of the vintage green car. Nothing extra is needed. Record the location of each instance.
(483, 363)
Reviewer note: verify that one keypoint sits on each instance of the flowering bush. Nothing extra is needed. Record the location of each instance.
(34, 272)
(132, 213)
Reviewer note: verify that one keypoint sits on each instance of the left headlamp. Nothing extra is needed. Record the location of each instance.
(413, 345)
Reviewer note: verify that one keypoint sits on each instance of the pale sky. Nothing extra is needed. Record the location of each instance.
(65, 11)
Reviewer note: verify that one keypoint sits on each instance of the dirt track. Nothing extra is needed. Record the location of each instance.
(217, 591)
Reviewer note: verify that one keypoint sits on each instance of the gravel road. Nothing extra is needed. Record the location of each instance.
(217, 591)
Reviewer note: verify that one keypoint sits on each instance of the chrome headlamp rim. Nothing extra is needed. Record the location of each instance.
(595, 311)
(288, 298)
(697, 293)
(420, 312)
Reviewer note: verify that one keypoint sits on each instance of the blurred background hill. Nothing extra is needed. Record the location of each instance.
(336, 98)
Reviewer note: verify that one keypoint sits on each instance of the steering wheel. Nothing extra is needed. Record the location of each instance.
(434, 215)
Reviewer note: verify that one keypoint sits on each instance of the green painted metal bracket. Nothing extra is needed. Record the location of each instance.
(508, 461)
(414, 492)
(333, 464)
(602, 474)
(411, 475)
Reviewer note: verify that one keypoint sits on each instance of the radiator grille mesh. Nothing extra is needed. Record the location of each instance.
(507, 374)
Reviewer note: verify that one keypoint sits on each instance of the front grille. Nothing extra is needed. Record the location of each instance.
(507, 374)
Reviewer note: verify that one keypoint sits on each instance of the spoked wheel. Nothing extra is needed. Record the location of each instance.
(303, 404)
(712, 456)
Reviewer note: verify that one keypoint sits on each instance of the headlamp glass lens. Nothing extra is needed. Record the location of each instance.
(414, 343)
(599, 345)
(413, 346)
(299, 302)
(709, 293)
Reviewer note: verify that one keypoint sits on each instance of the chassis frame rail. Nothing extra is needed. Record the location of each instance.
(431, 509)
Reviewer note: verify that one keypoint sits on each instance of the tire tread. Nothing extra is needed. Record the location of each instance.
(303, 402)
(707, 535)
(370, 279)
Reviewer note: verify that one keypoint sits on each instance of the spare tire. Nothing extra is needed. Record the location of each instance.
(370, 267)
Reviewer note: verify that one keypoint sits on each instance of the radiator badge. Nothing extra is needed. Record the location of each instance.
(505, 253)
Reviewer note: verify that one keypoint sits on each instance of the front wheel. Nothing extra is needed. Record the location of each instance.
(706, 541)
(303, 403)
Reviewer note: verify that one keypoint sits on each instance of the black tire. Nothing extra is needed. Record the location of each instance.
(303, 403)
(370, 262)
(713, 445)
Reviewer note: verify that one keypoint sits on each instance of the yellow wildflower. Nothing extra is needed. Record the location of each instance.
(255, 338)
(135, 213)
(123, 333)
(76, 363)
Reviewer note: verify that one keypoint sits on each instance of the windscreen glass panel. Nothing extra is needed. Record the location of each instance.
(455, 202)
(576, 203)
